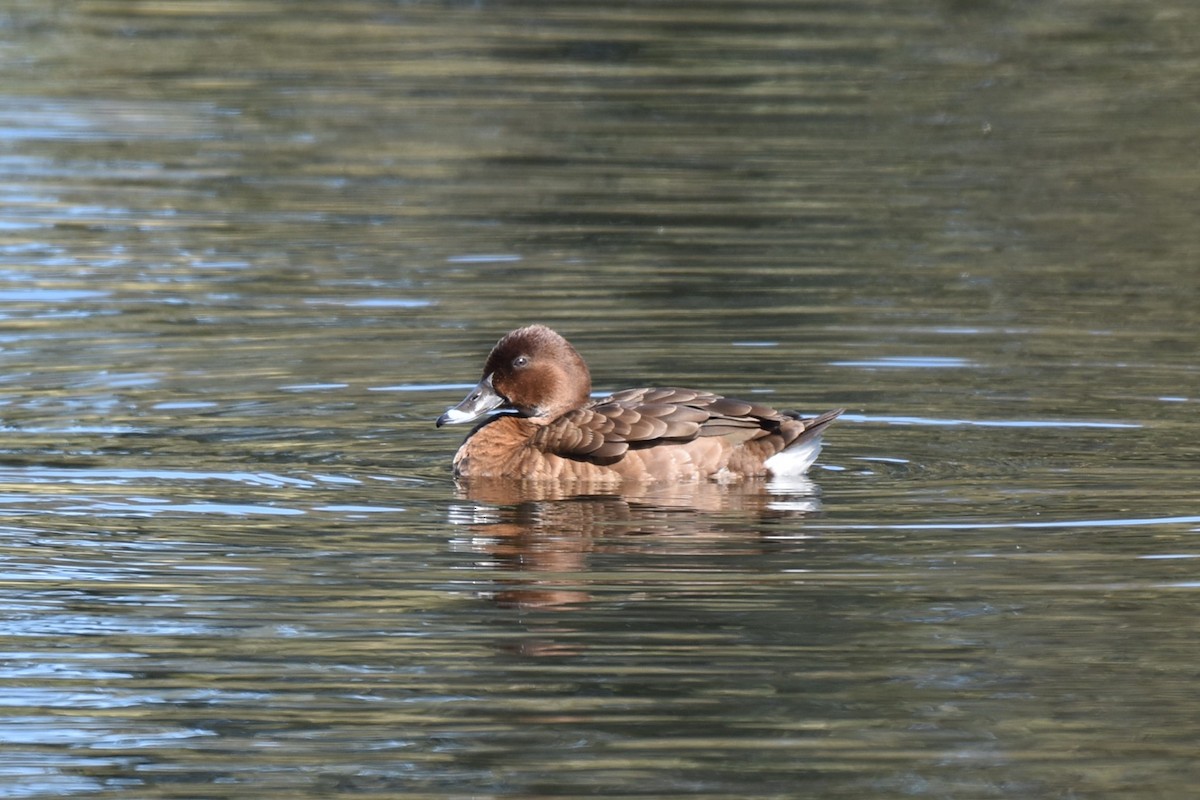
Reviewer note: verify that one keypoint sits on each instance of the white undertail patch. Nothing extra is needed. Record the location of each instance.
(795, 460)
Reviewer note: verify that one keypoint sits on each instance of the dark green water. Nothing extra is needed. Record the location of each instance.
(250, 250)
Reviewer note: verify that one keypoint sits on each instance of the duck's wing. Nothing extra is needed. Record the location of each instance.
(643, 417)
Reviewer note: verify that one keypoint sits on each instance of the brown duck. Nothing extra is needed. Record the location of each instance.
(544, 425)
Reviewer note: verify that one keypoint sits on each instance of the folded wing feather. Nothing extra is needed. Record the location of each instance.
(640, 417)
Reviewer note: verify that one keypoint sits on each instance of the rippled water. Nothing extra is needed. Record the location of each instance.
(250, 250)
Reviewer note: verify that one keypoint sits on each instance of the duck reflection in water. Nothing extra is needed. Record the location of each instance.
(551, 476)
(548, 538)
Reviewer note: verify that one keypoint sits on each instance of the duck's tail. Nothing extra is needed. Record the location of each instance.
(802, 451)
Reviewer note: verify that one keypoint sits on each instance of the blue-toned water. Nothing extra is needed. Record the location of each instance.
(249, 251)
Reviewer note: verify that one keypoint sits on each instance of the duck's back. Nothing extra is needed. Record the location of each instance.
(671, 433)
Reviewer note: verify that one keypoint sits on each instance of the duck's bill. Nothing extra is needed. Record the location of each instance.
(476, 404)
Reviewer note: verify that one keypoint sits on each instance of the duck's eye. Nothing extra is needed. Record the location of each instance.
(520, 362)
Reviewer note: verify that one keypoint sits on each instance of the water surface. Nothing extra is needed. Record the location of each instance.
(250, 250)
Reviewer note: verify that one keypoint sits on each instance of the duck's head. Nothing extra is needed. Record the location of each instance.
(532, 372)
